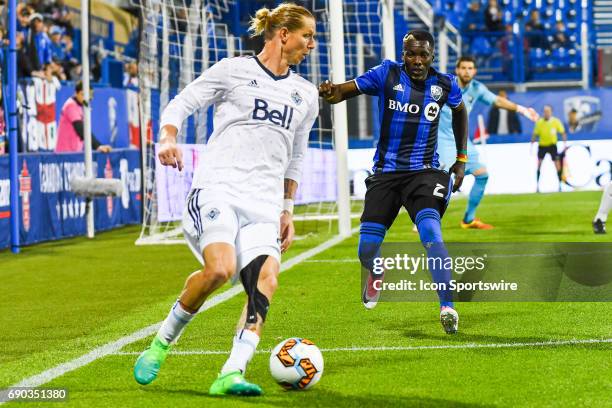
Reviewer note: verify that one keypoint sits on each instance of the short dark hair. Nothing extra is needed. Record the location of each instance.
(465, 58)
(421, 35)
(79, 87)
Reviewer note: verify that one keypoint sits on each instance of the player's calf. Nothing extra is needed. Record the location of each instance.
(259, 279)
(430, 232)
(370, 239)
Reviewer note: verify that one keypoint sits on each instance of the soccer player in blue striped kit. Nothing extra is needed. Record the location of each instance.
(411, 95)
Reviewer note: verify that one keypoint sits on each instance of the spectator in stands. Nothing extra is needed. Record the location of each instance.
(38, 44)
(59, 55)
(503, 121)
(23, 19)
(535, 31)
(70, 131)
(25, 67)
(58, 52)
(72, 66)
(61, 16)
(493, 16)
(38, 5)
(560, 39)
(474, 19)
(573, 123)
(130, 77)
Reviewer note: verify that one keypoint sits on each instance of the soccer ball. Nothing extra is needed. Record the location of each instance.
(296, 363)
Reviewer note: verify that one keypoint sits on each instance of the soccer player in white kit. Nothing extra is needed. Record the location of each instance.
(237, 209)
(599, 223)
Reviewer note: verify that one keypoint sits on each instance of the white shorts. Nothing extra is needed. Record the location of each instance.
(209, 220)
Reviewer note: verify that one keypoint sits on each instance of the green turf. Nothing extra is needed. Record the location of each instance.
(64, 298)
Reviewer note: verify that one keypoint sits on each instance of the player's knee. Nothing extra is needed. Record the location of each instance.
(268, 284)
(218, 271)
(483, 177)
(268, 280)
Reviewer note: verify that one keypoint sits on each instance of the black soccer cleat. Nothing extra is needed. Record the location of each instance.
(599, 226)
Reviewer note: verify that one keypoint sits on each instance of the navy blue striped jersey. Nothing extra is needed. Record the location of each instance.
(409, 114)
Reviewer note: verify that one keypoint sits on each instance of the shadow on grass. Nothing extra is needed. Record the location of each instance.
(322, 397)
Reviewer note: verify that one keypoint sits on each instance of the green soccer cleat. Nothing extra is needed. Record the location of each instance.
(149, 362)
(233, 383)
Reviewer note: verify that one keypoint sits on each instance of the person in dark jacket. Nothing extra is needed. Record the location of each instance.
(503, 122)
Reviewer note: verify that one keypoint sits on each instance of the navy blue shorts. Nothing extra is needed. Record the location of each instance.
(414, 190)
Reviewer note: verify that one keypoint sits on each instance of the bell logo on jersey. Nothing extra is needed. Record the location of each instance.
(277, 117)
(404, 107)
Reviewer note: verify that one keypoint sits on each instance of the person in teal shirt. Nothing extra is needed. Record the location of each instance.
(473, 91)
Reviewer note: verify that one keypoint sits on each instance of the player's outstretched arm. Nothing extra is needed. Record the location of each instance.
(335, 93)
(169, 153)
(529, 113)
(460, 130)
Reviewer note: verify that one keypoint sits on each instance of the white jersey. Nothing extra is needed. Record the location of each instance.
(261, 127)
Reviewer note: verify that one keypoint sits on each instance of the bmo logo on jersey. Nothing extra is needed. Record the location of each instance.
(431, 110)
(277, 117)
(404, 107)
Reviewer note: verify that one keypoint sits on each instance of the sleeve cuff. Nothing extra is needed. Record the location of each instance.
(170, 122)
(293, 175)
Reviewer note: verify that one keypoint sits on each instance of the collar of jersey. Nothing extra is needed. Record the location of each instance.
(463, 90)
(267, 71)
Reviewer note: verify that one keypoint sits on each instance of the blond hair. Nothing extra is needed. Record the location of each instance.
(288, 15)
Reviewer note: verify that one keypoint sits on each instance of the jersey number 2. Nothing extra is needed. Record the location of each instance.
(437, 192)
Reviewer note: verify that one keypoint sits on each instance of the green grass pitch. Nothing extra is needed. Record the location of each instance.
(63, 299)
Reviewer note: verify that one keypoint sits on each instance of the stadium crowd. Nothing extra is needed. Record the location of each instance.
(46, 41)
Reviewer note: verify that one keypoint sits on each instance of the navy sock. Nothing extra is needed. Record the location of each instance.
(430, 232)
(371, 236)
(476, 194)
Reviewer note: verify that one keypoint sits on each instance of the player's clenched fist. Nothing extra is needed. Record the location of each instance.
(458, 169)
(329, 92)
(170, 155)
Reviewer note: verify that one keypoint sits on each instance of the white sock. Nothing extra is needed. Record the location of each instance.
(606, 204)
(174, 324)
(245, 343)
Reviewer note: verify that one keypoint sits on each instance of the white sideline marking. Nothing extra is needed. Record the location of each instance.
(115, 346)
(404, 348)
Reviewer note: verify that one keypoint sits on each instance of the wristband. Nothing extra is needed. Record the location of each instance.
(524, 111)
(288, 205)
(461, 157)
